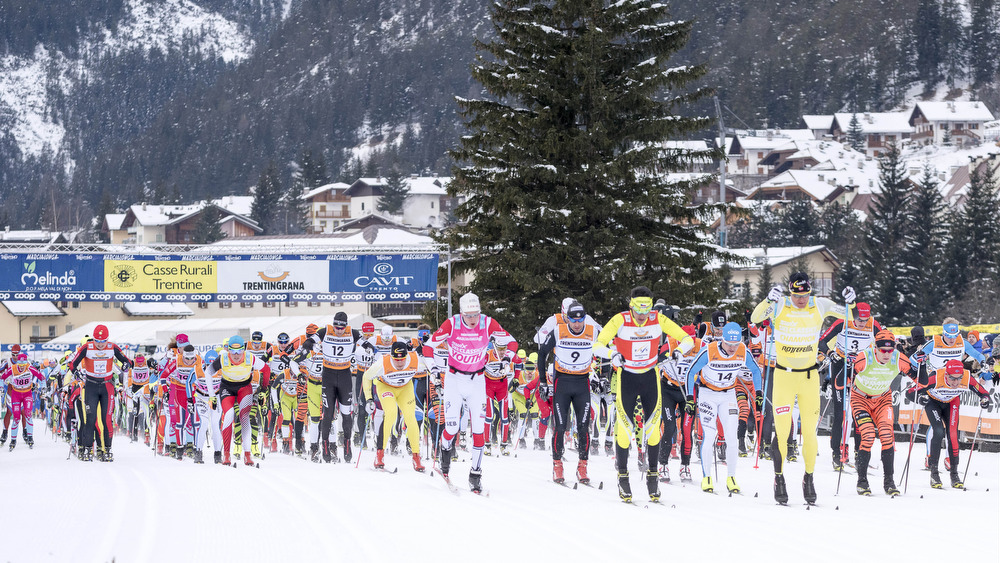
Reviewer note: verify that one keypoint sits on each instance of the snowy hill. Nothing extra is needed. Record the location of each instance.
(146, 508)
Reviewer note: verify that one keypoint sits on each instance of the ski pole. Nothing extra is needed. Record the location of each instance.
(368, 422)
(767, 384)
(843, 433)
(979, 425)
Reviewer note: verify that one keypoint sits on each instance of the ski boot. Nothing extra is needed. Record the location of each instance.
(539, 444)
(248, 459)
(347, 451)
(13, 442)
(956, 482)
(198, 457)
(863, 488)
(488, 449)
(30, 441)
(179, 454)
(731, 485)
(581, 472)
(189, 450)
(935, 479)
(765, 452)
(463, 443)
(743, 450)
(780, 491)
(226, 460)
(721, 451)
(327, 456)
(445, 460)
(171, 450)
(357, 439)
(417, 466)
(927, 462)
(595, 446)
(653, 485)
(99, 454)
(557, 471)
(838, 464)
(664, 473)
(108, 456)
(217, 457)
(808, 488)
(379, 459)
(686, 473)
(890, 486)
(314, 453)
(255, 450)
(84, 455)
(624, 489)
(476, 480)
(609, 448)
(393, 445)
(333, 453)
(504, 449)
(3, 438)
(285, 448)
(522, 443)
(707, 485)
(793, 452)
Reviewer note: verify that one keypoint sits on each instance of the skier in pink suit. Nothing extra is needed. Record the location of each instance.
(20, 378)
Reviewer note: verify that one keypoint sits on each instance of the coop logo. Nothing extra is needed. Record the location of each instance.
(383, 278)
(31, 279)
(123, 276)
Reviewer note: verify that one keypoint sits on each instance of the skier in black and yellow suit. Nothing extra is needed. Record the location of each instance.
(393, 379)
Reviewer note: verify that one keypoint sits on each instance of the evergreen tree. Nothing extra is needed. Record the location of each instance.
(766, 279)
(855, 137)
(294, 210)
(558, 166)
(312, 167)
(952, 42)
(884, 255)
(208, 230)
(927, 41)
(797, 224)
(983, 42)
(266, 198)
(926, 252)
(103, 209)
(976, 263)
(394, 193)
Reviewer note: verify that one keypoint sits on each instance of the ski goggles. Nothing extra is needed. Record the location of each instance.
(641, 305)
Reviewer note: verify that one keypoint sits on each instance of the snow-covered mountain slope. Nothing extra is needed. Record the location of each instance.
(28, 85)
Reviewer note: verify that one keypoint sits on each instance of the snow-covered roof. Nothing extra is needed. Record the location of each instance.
(149, 215)
(114, 221)
(818, 121)
(419, 185)
(875, 122)
(773, 256)
(33, 309)
(379, 235)
(325, 188)
(29, 236)
(157, 310)
(953, 111)
(771, 139)
(817, 184)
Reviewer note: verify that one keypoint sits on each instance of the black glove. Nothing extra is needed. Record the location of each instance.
(984, 402)
(191, 402)
(922, 399)
(512, 386)
(690, 406)
(504, 364)
(759, 400)
(261, 396)
(544, 392)
(825, 385)
(528, 403)
(370, 406)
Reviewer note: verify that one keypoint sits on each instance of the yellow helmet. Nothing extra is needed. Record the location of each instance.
(521, 354)
(533, 357)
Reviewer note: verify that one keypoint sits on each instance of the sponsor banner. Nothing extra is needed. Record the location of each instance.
(938, 329)
(273, 276)
(394, 277)
(968, 414)
(336, 278)
(155, 276)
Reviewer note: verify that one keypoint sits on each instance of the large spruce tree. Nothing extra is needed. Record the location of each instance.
(563, 165)
(884, 254)
(929, 230)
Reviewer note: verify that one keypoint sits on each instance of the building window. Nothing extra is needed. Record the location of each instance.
(106, 305)
(117, 304)
(322, 225)
(225, 305)
(973, 126)
(322, 209)
(362, 206)
(36, 331)
(76, 304)
(269, 304)
(203, 305)
(64, 304)
(246, 305)
(432, 205)
(292, 304)
(52, 331)
(69, 328)
(314, 303)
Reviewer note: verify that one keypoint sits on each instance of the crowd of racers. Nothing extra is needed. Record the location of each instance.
(640, 382)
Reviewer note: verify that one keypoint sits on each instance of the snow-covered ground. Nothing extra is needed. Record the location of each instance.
(146, 508)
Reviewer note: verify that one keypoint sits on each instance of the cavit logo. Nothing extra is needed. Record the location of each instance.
(29, 278)
(382, 278)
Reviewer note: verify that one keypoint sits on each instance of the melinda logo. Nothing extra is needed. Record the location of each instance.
(30, 278)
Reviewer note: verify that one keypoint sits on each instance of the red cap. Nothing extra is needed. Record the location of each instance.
(15, 348)
(864, 309)
(368, 328)
(954, 367)
(512, 346)
(100, 332)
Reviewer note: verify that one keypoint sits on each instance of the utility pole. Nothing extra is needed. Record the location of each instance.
(722, 174)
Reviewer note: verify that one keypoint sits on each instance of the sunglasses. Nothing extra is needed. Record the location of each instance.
(96, 341)
(236, 349)
(576, 321)
(339, 326)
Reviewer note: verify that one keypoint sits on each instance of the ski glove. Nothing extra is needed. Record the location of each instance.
(984, 402)
(690, 407)
(775, 294)
(370, 406)
(617, 360)
(922, 399)
(261, 396)
(849, 295)
(544, 392)
(512, 386)
(759, 400)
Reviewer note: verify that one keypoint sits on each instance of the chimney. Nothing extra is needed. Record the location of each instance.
(144, 206)
(820, 177)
